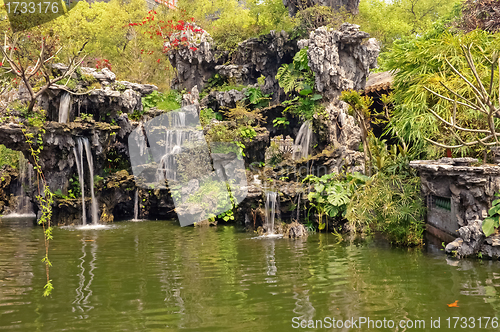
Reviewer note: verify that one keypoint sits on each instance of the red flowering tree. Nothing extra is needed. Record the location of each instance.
(170, 34)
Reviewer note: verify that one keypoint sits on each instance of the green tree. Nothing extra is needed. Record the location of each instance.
(422, 65)
(392, 20)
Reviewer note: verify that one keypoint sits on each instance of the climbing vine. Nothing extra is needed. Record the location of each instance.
(45, 199)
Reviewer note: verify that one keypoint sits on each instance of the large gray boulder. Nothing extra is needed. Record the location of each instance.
(340, 59)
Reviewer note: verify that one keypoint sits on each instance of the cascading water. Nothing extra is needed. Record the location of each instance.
(174, 138)
(24, 206)
(83, 143)
(303, 141)
(64, 106)
(90, 162)
(78, 152)
(272, 207)
(136, 205)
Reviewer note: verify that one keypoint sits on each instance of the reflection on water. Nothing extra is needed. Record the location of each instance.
(83, 291)
(156, 276)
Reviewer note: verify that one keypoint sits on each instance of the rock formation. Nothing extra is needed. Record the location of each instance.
(458, 197)
(255, 57)
(341, 60)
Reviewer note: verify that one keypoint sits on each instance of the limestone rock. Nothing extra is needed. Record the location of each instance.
(295, 230)
(340, 59)
(191, 98)
(343, 129)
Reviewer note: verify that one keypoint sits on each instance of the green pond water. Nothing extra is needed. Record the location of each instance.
(157, 276)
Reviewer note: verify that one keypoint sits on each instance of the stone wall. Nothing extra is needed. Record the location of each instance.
(458, 197)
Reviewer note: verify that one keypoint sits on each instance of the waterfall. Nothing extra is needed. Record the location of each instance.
(136, 205)
(64, 105)
(272, 207)
(174, 138)
(298, 207)
(79, 166)
(95, 218)
(303, 141)
(83, 143)
(24, 206)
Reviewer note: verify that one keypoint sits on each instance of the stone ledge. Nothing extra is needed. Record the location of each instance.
(453, 166)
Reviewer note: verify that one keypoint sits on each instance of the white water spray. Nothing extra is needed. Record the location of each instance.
(271, 208)
(303, 141)
(64, 106)
(83, 143)
(174, 139)
(24, 206)
(136, 205)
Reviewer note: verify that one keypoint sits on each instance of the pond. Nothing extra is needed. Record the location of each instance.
(157, 276)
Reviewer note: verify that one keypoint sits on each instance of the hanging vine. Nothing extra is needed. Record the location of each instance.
(45, 199)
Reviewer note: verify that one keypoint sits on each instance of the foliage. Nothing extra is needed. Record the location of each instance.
(113, 42)
(332, 193)
(296, 76)
(359, 106)
(256, 98)
(280, 121)
(297, 80)
(36, 118)
(247, 133)
(86, 117)
(314, 17)
(213, 194)
(8, 157)
(207, 115)
(482, 101)
(388, 21)
(492, 222)
(230, 21)
(116, 161)
(220, 132)
(74, 190)
(244, 116)
(168, 102)
(390, 201)
(45, 199)
(422, 63)
(27, 58)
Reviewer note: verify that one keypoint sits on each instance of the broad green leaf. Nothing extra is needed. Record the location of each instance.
(305, 92)
(488, 226)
